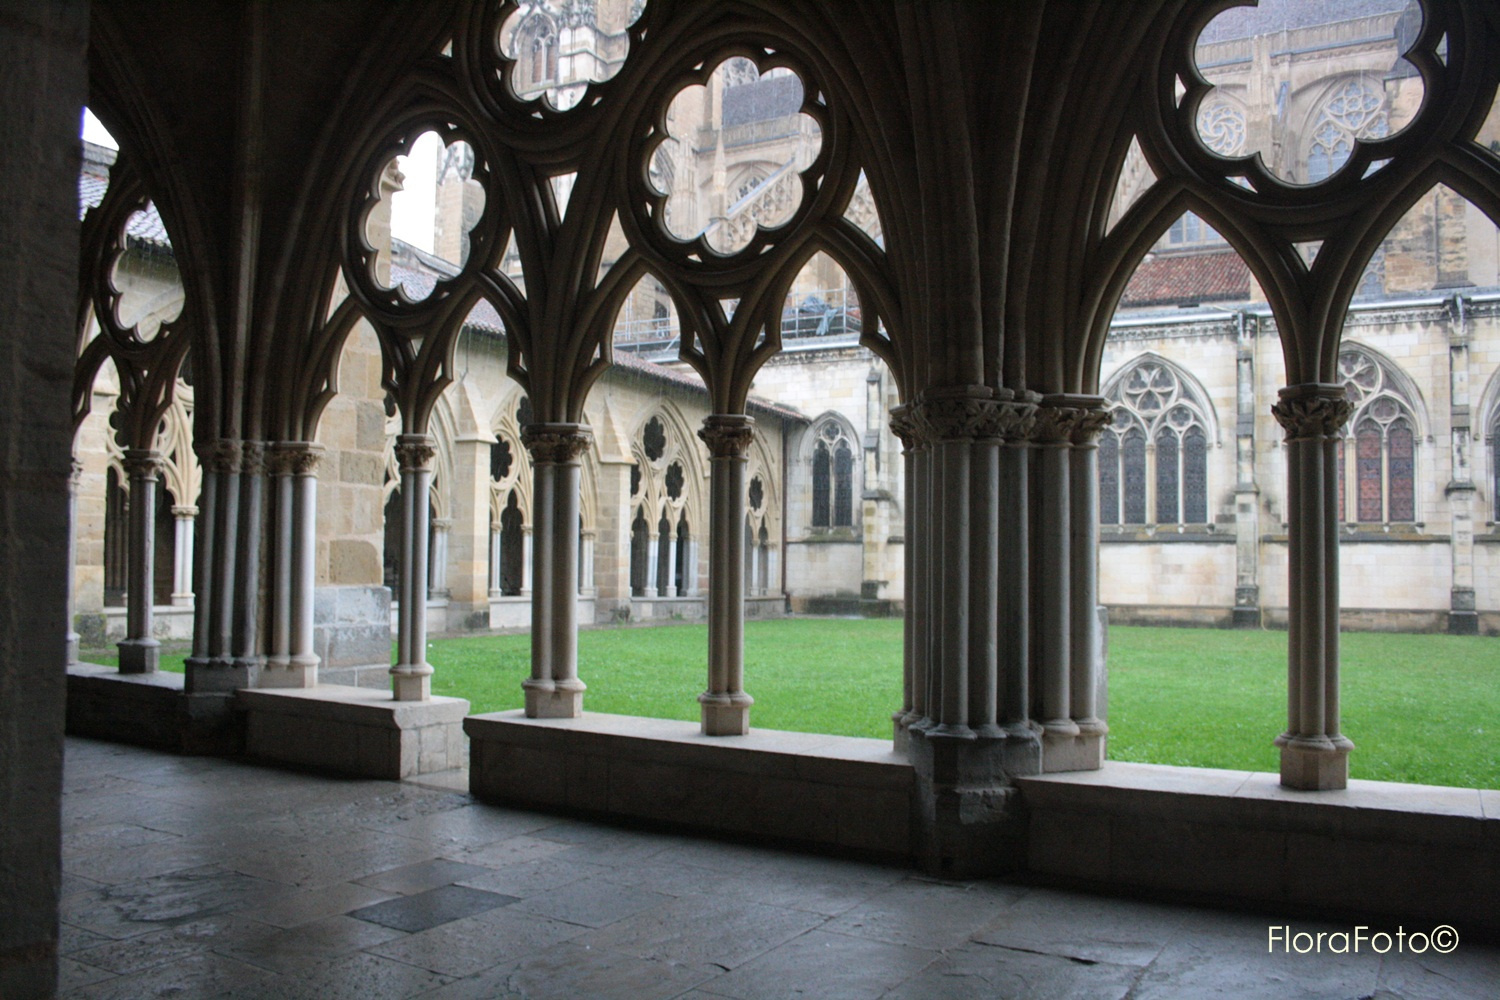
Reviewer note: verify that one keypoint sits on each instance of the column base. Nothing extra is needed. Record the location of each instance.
(1463, 623)
(139, 656)
(968, 816)
(725, 715)
(545, 700)
(1083, 752)
(1316, 764)
(213, 675)
(900, 738)
(412, 683)
(70, 648)
(1245, 618)
(294, 673)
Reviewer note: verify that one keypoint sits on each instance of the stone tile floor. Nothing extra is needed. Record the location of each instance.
(204, 878)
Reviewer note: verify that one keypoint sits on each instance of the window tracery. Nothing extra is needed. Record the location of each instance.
(1221, 125)
(1355, 110)
(1153, 458)
(1377, 457)
(833, 476)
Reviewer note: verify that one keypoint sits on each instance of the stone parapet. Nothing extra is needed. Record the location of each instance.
(355, 731)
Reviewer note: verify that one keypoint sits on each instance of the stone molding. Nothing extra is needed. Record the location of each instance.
(1314, 411)
(556, 444)
(414, 452)
(142, 463)
(728, 435)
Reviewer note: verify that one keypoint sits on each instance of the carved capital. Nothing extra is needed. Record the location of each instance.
(252, 458)
(1094, 414)
(142, 463)
(727, 435)
(1312, 412)
(958, 414)
(220, 456)
(556, 444)
(442, 523)
(1055, 424)
(904, 426)
(303, 457)
(414, 452)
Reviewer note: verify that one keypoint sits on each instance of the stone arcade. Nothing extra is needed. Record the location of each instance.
(991, 139)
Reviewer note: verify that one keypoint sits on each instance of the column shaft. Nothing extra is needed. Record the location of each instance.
(725, 705)
(279, 651)
(140, 652)
(70, 637)
(247, 660)
(182, 552)
(553, 690)
(411, 677)
(1314, 753)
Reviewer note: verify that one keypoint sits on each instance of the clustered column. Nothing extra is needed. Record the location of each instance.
(247, 656)
(211, 667)
(411, 677)
(553, 690)
(1314, 754)
(139, 650)
(291, 661)
(725, 705)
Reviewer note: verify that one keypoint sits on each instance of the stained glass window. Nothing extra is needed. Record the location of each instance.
(1133, 467)
(1166, 476)
(1367, 472)
(1109, 478)
(821, 485)
(843, 486)
(1158, 403)
(1402, 446)
(1195, 476)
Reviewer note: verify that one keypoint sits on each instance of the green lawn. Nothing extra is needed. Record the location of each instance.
(1419, 708)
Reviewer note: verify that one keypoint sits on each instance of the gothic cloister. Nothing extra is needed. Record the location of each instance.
(959, 164)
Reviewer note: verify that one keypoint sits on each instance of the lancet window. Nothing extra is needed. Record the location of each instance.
(1377, 460)
(833, 476)
(1153, 459)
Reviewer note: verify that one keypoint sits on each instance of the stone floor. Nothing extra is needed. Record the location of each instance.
(200, 878)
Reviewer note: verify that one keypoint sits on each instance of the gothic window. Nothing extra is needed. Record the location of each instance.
(511, 554)
(1153, 459)
(684, 568)
(640, 543)
(664, 556)
(116, 539)
(538, 47)
(833, 477)
(1377, 463)
(1495, 462)
(654, 439)
(1356, 110)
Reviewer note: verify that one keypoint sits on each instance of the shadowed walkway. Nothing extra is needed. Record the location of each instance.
(204, 878)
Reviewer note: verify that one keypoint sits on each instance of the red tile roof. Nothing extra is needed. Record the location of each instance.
(1180, 279)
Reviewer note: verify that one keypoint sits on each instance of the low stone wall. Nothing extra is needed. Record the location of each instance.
(356, 731)
(142, 709)
(1376, 848)
(827, 792)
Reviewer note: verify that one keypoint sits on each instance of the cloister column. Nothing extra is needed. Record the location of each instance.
(1013, 597)
(1084, 627)
(291, 661)
(1052, 566)
(182, 563)
(905, 429)
(586, 581)
(553, 691)
(674, 582)
(411, 677)
(139, 650)
(1314, 754)
(653, 559)
(438, 572)
(247, 658)
(527, 549)
(212, 667)
(497, 550)
(725, 705)
(70, 637)
(279, 636)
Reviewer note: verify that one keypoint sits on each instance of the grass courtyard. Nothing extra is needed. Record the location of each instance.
(1419, 708)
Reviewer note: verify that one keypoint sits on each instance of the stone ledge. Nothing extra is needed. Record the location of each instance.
(1375, 847)
(354, 731)
(143, 709)
(821, 791)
